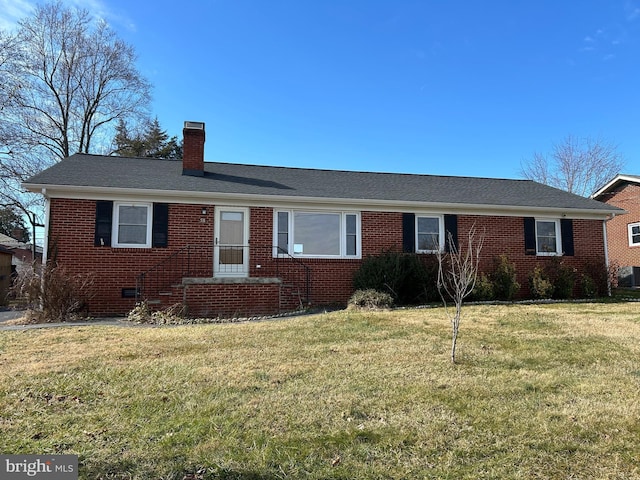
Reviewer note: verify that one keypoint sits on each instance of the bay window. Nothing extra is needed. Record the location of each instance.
(317, 233)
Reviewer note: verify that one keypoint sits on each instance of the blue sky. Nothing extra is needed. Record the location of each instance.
(450, 88)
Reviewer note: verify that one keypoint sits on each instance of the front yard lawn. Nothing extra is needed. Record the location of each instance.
(540, 391)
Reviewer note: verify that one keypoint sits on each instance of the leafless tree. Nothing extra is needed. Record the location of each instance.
(457, 275)
(66, 81)
(577, 165)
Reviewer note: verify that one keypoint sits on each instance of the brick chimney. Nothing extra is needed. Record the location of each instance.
(193, 149)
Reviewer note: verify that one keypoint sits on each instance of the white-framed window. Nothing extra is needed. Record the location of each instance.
(132, 225)
(429, 233)
(548, 241)
(318, 234)
(634, 234)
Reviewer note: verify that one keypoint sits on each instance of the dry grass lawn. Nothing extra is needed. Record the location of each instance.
(540, 391)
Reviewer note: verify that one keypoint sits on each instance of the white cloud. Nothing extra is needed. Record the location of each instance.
(632, 11)
(13, 10)
(99, 10)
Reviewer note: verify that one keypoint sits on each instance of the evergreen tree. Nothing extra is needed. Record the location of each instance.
(13, 225)
(148, 141)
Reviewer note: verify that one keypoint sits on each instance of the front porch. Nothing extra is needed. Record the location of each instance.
(229, 281)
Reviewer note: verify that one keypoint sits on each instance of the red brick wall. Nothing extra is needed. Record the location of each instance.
(505, 235)
(381, 231)
(229, 301)
(627, 196)
(71, 242)
(71, 238)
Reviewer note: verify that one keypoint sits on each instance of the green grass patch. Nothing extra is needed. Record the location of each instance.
(541, 391)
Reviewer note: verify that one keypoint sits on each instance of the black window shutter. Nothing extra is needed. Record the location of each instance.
(104, 218)
(450, 227)
(529, 236)
(408, 232)
(160, 235)
(566, 227)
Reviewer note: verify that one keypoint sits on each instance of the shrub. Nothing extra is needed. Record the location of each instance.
(562, 278)
(505, 285)
(173, 315)
(594, 279)
(404, 276)
(52, 294)
(370, 298)
(540, 285)
(429, 278)
(554, 280)
(589, 287)
(500, 284)
(612, 275)
(484, 289)
(141, 313)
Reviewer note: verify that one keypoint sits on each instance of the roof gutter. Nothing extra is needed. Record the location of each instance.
(239, 199)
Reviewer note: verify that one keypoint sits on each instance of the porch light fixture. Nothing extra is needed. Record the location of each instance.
(204, 210)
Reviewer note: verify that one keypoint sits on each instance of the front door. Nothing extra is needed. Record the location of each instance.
(231, 250)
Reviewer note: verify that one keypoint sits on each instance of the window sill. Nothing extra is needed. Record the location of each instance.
(130, 249)
(229, 281)
(316, 257)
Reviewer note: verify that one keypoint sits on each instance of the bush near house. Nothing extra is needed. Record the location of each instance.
(484, 289)
(409, 278)
(554, 279)
(504, 278)
(540, 285)
(500, 284)
(370, 299)
(593, 281)
(52, 294)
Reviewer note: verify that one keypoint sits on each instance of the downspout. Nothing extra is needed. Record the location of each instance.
(45, 244)
(606, 251)
(45, 247)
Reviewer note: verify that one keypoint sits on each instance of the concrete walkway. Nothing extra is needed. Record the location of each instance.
(8, 315)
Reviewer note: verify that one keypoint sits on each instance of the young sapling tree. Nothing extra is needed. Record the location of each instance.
(457, 275)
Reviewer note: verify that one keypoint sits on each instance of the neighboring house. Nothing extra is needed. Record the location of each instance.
(5, 274)
(22, 251)
(231, 239)
(623, 232)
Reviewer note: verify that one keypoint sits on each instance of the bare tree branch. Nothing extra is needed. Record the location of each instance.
(64, 81)
(577, 165)
(457, 275)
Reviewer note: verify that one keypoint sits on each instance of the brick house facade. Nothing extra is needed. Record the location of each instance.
(623, 231)
(240, 240)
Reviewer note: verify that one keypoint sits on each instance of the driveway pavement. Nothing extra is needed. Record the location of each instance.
(6, 315)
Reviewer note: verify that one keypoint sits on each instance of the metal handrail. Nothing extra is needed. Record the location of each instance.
(197, 261)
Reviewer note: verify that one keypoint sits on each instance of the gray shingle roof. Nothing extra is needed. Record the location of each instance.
(96, 171)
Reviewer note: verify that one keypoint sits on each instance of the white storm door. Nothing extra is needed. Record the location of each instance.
(230, 249)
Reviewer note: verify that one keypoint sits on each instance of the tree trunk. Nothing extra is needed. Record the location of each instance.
(453, 346)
